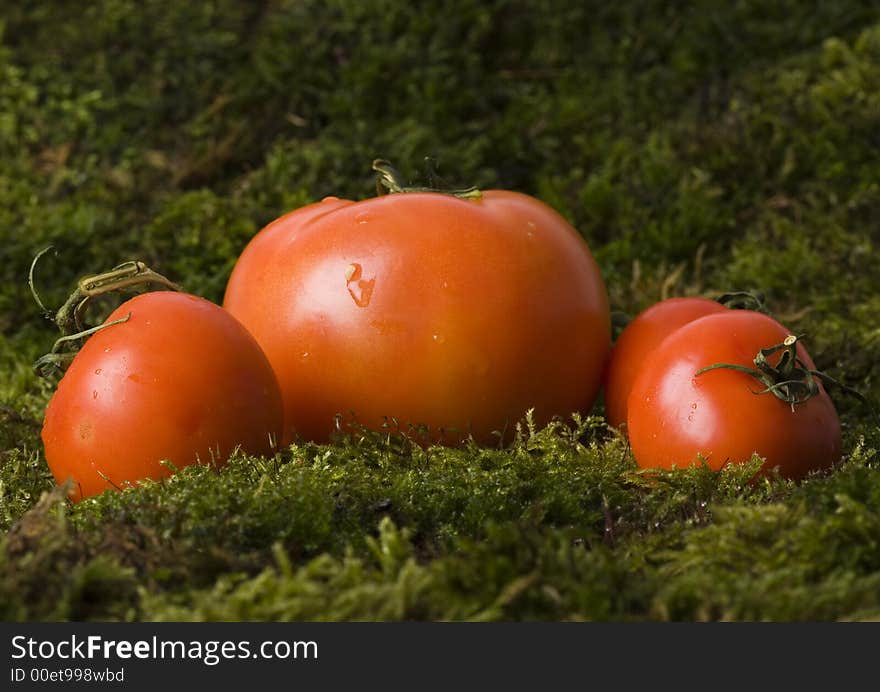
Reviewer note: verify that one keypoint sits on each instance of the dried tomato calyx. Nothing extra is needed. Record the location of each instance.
(69, 317)
(390, 181)
(743, 300)
(58, 359)
(789, 379)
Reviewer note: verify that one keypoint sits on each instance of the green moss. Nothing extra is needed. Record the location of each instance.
(698, 149)
(47, 574)
(812, 558)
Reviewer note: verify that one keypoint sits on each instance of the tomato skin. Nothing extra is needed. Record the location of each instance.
(180, 381)
(457, 314)
(674, 415)
(640, 337)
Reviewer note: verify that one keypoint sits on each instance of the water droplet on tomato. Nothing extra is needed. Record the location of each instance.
(363, 217)
(94, 394)
(438, 338)
(98, 371)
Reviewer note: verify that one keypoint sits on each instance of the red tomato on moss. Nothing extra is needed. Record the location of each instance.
(640, 337)
(425, 309)
(181, 380)
(674, 414)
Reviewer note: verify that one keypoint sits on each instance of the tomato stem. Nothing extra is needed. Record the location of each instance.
(46, 312)
(57, 360)
(390, 181)
(789, 380)
(743, 300)
(126, 275)
(69, 317)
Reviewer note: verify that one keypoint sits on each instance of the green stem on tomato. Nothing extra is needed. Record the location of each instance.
(390, 181)
(47, 313)
(57, 360)
(789, 380)
(743, 300)
(69, 317)
(126, 275)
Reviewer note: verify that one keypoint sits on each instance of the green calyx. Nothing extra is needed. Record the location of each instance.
(743, 300)
(69, 317)
(789, 379)
(390, 181)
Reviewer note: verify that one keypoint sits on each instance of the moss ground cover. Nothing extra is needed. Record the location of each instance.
(697, 149)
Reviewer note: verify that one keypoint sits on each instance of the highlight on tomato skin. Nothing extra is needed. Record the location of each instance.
(681, 408)
(180, 381)
(638, 339)
(431, 310)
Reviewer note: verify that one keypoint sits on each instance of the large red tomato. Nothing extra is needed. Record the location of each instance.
(425, 309)
(181, 380)
(640, 337)
(726, 415)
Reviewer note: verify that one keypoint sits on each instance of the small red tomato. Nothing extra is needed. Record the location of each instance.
(640, 337)
(181, 380)
(677, 410)
(456, 314)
